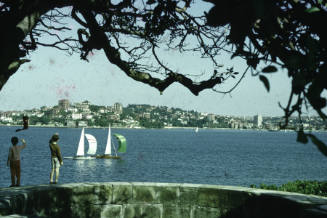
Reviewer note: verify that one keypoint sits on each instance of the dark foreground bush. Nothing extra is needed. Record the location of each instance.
(304, 187)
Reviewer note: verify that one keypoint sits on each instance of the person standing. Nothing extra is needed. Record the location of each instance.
(56, 158)
(14, 160)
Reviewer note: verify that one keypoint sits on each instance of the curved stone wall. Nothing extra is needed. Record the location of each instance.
(162, 200)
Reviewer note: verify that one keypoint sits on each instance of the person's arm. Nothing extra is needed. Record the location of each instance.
(59, 155)
(24, 144)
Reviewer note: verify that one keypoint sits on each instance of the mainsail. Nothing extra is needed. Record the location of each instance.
(122, 143)
(92, 144)
(80, 149)
(108, 146)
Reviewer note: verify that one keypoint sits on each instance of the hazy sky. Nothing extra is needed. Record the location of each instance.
(52, 75)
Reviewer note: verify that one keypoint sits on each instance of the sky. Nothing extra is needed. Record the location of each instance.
(53, 75)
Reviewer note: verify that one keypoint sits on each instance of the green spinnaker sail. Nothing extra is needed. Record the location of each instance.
(122, 143)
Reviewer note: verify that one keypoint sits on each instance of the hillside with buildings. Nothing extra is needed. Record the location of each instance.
(85, 114)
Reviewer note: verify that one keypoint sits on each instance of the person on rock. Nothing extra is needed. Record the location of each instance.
(56, 158)
(14, 160)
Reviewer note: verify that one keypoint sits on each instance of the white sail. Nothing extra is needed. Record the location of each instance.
(108, 146)
(80, 149)
(92, 144)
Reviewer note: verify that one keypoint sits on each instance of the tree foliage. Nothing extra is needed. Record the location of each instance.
(277, 34)
(130, 32)
(286, 34)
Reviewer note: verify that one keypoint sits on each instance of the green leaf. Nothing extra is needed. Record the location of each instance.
(265, 82)
(312, 10)
(269, 69)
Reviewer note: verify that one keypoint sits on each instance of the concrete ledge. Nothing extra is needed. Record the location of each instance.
(162, 200)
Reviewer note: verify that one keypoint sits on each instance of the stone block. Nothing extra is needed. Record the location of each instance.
(173, 211)
(168, 194)
(5, 207)
(188, 195)
(95, 210)
(112, 211)
(43, 201)
(84, 199)
(132, 210)
(104, 193)
(220, 198)
(88, 211)
(18, 203)
(165, 193)
(83, 188)
(152, 211)
(207, 212)
(122, 194)
(143, 210)
(145, 194)
(48, 202)
(97, 194)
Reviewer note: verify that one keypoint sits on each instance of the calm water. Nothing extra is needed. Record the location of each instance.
(225, 157)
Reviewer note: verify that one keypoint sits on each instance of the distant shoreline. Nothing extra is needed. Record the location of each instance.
(174, 127)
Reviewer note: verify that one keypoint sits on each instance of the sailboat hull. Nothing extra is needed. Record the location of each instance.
(105, 156)
(83, 157)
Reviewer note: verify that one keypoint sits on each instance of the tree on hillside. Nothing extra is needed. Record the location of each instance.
(288, 34)
(131, 33)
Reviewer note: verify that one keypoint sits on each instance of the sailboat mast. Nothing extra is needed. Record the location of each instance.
(113, 145)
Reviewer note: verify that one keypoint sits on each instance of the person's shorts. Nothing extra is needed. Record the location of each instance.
(55, 163)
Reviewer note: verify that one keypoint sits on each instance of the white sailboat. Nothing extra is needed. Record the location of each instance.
(108, 154)
(80, 155)
(196, 129)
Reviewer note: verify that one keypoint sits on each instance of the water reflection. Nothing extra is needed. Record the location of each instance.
(107, 162)
(85, 164)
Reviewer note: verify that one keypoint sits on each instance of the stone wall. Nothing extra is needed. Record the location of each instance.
(162, 200)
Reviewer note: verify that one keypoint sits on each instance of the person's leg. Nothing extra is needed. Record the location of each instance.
(57, 174)
(18, 172)
(12, 173)
(52, 170)
(51, 175)
(57, 170)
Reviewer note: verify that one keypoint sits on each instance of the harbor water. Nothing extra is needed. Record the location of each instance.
(209, 156)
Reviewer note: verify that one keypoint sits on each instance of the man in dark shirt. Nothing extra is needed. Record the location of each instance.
(56, 158)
